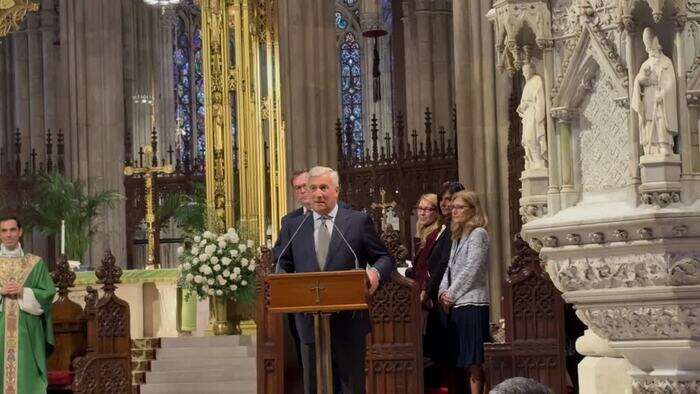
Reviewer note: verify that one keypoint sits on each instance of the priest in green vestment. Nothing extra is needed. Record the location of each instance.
(26, 295)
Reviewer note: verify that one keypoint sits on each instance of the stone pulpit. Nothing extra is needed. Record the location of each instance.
(611, 189)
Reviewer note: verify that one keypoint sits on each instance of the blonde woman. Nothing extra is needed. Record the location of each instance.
(464, 291)
(428, 227)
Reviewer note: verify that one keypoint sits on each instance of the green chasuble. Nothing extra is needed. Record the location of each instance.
(27, 339)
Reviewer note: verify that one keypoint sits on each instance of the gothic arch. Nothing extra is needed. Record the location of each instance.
(592, 54)
(675, 7)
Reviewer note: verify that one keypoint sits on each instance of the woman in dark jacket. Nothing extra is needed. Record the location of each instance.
(435, 342)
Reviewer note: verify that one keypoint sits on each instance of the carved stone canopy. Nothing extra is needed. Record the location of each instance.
(676, 8)
(510, 19)
(12, 13)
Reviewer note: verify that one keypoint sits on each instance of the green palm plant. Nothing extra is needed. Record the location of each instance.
(188, 210)
(57, 199)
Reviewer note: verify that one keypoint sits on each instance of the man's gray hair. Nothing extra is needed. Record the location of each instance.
(320, 171)
(519, 385)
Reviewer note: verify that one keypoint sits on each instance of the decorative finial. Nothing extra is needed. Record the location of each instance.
(62, 276)
(109, 273)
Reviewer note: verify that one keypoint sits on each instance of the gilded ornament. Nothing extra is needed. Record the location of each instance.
(12, 13)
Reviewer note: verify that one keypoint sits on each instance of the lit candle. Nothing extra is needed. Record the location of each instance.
(63, 237)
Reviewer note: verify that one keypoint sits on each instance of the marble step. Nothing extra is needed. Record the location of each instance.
(223, 373)
(212, 341)
(145, 343)
(238, 387)
(201, 364)
(194, 353)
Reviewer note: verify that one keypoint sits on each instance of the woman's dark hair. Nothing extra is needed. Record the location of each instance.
(451, 187)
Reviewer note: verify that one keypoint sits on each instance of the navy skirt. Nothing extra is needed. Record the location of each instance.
(468, 330)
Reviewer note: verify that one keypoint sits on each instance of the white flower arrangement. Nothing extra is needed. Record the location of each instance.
(219, 264)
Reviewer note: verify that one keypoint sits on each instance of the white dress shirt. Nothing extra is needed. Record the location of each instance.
(317, 222)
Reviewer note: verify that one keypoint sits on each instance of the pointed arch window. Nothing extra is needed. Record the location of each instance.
(189, 83)
(347, 23)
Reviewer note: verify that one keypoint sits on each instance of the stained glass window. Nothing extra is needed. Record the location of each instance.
(189, 83)
(351, 83)
(347, 24)
(340, 22)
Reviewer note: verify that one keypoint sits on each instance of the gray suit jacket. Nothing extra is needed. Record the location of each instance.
(300, 256)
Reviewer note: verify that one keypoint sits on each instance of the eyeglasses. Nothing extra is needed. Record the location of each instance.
(429, 209)
(459, 207)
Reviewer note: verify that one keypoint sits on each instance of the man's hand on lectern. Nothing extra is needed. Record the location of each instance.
(373, 276)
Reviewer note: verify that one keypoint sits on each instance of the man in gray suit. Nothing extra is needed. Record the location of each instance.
(313, 242)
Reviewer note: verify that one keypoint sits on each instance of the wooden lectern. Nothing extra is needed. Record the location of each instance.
(319, 293)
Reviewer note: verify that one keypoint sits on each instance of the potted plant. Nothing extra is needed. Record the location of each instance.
(222, 267)
(58, 199)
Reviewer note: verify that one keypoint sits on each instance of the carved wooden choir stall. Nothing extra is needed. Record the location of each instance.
(535, 338)
(92, 345)
(394, 360)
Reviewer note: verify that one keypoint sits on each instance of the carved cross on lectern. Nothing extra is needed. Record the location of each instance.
(317, 288)
(148, 174)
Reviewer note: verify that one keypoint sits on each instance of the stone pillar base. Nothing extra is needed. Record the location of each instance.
(602, 375)
(661, 176)
(533, 203)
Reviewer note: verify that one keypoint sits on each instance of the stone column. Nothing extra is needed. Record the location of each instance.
(50, 68)
(370, 19)
(478, 92)
(686, 149)
(35, 74)
(5, 100)
(565, 164)
(424, 64)
(20, 83)
(504, 87)
(462, 66)
(429, 62)
(410, 65)
(148, 69)
(633, 123)
(443, 71)
(553, 197)
(30, 91)
(309, 64)
(92, 63)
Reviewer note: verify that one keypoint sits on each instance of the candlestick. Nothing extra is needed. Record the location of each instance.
(63, 237)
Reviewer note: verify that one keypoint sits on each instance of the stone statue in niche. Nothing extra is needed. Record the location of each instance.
(532, 110)
(654, 99)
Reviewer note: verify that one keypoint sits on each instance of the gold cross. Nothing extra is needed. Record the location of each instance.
(148, 174)
(318, 289)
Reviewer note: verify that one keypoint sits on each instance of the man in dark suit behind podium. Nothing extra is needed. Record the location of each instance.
(313, 242)
(301, 195)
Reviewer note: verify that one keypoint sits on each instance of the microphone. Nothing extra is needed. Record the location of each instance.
(294, 234)
(357, 261)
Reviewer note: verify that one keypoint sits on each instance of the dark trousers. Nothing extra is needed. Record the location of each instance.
(348, 355)
(295, 336)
